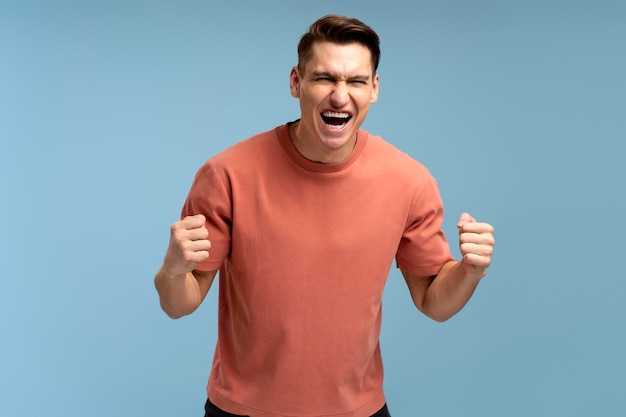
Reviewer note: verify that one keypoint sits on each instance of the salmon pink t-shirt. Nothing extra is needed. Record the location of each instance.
(304, 250)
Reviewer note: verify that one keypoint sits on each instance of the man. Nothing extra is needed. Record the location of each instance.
(304, 223)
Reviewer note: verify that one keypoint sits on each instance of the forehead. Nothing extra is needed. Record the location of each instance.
(341, 59)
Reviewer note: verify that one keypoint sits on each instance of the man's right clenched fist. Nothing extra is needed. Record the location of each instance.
(189, 245)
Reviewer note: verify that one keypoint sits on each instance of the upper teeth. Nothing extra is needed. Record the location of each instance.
(336, 115)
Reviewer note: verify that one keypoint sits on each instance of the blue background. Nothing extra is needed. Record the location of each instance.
(107, 109)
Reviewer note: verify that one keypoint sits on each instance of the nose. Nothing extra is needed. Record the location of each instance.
(340, 95)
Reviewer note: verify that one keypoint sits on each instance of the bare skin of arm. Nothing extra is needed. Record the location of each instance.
(182, 295)
(442, 296)
(182, 287)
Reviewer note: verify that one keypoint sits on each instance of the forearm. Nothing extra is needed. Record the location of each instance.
(179, 295)
(449, 291)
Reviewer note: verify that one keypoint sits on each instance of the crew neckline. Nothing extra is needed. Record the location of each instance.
(282, 132)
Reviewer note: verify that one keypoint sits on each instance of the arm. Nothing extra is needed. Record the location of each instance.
(442, 296)
(181, 295)
(181, 287)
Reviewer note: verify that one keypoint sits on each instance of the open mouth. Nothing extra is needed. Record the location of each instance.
(335, 120)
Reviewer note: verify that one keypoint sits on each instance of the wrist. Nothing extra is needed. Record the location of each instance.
(472, 272)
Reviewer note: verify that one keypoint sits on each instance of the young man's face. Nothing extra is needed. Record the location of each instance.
(335, 93)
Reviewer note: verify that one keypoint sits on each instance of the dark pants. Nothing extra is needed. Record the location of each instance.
(211, 410)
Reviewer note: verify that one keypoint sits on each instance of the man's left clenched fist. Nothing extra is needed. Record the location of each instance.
(476, 242)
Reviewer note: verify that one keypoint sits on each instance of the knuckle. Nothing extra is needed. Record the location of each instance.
(178, 237)
(467, 237)
(188, 257)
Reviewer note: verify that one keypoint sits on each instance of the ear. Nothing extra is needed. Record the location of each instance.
(374, 97)
(294, 82)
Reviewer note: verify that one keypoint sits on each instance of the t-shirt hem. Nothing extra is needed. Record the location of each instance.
(209, 266)
(423, 270)
(366, 410)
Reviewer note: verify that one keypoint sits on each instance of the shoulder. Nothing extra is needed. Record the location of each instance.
(248, 149)
(393, 160)
(246, 154)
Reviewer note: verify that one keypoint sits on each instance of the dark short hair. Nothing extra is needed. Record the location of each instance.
(342, 30)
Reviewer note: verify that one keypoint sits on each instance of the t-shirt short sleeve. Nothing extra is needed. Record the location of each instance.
(210, 195)
(424, 249)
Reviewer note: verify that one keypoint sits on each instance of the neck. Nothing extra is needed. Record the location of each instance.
(324, 156)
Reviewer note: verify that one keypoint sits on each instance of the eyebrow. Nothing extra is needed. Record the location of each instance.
(317, 74)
